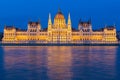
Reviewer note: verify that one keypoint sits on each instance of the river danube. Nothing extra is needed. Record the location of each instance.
(60, 63)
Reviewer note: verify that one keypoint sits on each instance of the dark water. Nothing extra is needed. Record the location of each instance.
(60, 63)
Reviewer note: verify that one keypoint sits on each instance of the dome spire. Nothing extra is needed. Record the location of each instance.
(59, 11)
(59, 15)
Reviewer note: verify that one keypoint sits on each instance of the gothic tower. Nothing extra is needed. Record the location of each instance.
(49, 23)
(69, 22)
(49, 28)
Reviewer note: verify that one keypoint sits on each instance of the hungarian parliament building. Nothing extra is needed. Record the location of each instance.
(59, 32)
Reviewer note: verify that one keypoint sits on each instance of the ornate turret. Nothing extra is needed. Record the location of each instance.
(85, 26)
(34, 26)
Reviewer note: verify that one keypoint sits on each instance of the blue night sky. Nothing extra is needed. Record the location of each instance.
(19, 12)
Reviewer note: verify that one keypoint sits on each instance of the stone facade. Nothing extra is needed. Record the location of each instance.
(59, 32)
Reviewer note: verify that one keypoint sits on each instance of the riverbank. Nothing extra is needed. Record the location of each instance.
(59, 44)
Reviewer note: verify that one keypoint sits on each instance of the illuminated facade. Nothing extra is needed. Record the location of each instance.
(60, 32)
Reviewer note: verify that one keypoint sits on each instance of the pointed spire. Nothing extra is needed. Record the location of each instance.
(69, 22)
(69, 15)
(49, 16)
(49, 21)
(59, 11)
(69, 19)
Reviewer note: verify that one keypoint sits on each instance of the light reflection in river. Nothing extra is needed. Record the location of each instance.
(59, 63)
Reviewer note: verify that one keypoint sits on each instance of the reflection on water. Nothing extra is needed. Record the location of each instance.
(59, 63)
(94, 63)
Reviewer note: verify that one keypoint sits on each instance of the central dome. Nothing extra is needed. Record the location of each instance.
(59, 15)
(59, 20)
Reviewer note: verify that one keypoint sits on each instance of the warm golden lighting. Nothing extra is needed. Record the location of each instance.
(60, 32)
